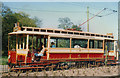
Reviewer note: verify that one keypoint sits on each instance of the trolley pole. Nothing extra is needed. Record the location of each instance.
(87, 19)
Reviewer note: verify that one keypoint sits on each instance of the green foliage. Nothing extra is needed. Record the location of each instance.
(9, 18)
(65, 23)
(3, 60)
(76, 28)
(63, 43)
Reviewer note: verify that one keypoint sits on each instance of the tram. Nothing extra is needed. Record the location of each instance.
(69, 46)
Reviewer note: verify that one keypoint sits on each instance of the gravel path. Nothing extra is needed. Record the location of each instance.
(97, 71)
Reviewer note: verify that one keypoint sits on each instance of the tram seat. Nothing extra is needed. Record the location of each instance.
(37, 58)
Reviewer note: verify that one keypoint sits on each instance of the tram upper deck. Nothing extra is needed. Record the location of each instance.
(62, 33)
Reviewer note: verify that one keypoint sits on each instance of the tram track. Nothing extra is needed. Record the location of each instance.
(104, 71)
(60, 65)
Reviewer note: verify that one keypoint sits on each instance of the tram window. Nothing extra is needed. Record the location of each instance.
(61, 42)
(53, 40)
(18, 42)
(51, 31)
(92, 34)
(36, 30)
(98, 44)
(97, 35)
(110, 45)
(81, 33)
(44, 41)
(42, 30)
(105, 36)
(30, 42)
(81, 42)
(70, 32)
(91, 44)
(25, 42)
(87, 34)
(29, 29)
(76, 33)
(57, 31)
(21, 42)
(64, 32)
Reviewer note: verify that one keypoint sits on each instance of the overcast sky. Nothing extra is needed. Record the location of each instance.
(50, 12)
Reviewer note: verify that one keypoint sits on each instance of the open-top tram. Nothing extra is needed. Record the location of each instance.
(69, 46)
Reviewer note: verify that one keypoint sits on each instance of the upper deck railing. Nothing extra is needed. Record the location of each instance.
(62, 31)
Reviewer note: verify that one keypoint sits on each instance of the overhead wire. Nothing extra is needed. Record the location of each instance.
(108, 9)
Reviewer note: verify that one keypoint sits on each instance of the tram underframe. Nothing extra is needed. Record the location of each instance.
(58, 65)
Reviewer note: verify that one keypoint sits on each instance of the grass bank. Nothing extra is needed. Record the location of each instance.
(3, 60)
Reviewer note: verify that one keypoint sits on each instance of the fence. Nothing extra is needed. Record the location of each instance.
(4, 68)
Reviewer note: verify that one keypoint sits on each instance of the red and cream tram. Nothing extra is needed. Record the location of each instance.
(75, 46)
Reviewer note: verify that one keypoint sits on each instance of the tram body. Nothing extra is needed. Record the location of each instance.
(93, 47)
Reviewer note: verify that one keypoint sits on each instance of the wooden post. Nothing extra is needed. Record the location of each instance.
(27, 42)
(20, 43)
(32, 43)
(70, 47)
(16, 46)
(48, 41)
(103, 45)
(23, 42)
(16, 42)
(88, 45)
(114, 49)
(48, 47)
(27, 47)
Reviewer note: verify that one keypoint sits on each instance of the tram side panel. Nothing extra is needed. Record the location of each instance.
(76, 54)
(53, 56)
(12, 57)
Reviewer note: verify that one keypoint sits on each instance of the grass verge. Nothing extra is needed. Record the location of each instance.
(3, 60)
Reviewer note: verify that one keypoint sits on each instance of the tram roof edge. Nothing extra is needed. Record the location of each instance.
(59, 35)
